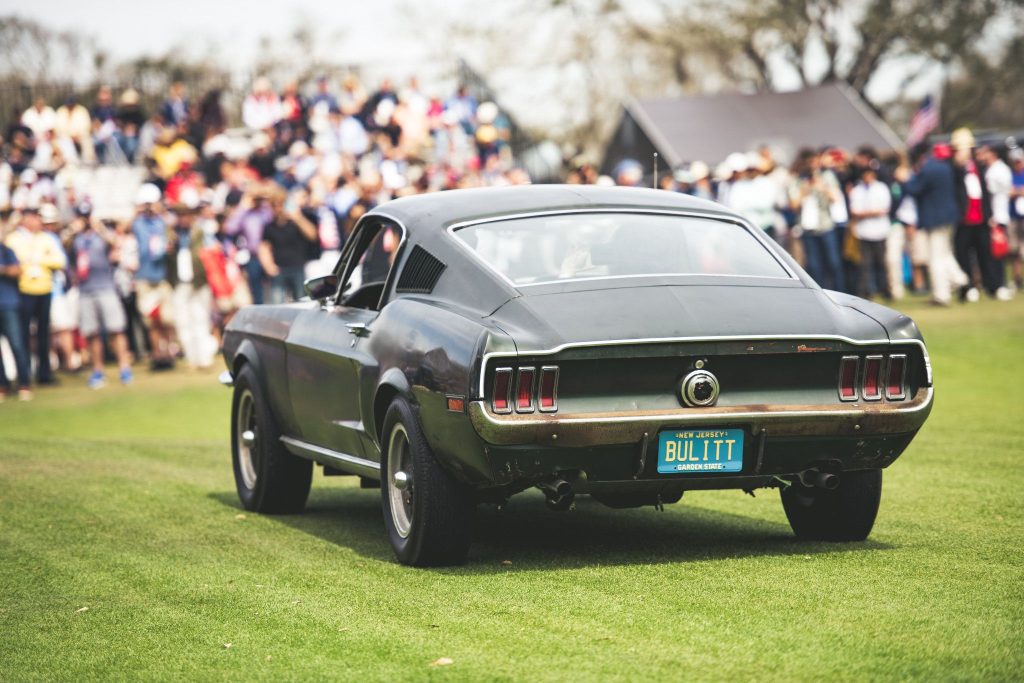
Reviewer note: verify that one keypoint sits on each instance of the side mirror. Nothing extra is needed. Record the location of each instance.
(322, 287)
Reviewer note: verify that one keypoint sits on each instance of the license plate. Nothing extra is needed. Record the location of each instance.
(700, 450)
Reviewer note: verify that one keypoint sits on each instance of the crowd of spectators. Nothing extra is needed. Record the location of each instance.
(946, 222)
(223, 218)
(228, 217)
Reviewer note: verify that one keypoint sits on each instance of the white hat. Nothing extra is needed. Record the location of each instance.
(487, 112)
(699, 170)
(189, 198)
(737, 162)
(148, 194)
(28, 176)
(48, 213)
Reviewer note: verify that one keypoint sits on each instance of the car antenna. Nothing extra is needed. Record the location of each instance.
(655, 170)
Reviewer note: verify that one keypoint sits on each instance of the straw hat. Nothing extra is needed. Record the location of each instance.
(129, 97)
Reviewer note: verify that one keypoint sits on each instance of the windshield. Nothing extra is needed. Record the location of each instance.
(543, 249)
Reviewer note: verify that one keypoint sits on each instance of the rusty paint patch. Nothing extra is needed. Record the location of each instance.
(803, 348)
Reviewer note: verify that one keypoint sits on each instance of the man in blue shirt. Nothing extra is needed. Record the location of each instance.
(10, 325)
(152, 288)
(933, 187)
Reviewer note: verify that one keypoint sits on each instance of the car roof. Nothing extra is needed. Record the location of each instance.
(437, 210)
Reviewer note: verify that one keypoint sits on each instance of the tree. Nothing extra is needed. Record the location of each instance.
(759, 44)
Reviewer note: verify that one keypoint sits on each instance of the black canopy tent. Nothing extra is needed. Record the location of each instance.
(710, 127)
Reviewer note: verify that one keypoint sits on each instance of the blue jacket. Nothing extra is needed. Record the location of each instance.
(934, 190)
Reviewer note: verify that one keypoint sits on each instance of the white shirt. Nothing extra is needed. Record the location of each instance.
(39, 121)
(999, 180)
(261, 112)
(871, 198)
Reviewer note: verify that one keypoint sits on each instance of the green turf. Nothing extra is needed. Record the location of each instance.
(122, 501)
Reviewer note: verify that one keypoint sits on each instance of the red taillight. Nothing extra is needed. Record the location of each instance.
(872, 378)
(848, 378)
(894, 378)
(524, 390)
(502, 401)
(548, 399)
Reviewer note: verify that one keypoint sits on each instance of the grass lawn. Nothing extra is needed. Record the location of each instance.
(124, 555)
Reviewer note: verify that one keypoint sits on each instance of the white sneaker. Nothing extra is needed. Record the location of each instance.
(972, 295)
(1003, 294)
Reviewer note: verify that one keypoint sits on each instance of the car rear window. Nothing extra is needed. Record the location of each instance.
(564, 247)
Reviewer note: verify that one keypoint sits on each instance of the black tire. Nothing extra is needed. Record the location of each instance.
(277, 481)
(846, 513)
(436, 526)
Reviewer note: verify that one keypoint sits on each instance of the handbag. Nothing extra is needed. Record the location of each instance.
(1000, 242)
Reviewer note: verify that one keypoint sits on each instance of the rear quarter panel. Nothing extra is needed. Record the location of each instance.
(436, 349)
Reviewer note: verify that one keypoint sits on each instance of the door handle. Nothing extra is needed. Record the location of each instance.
(358, 329)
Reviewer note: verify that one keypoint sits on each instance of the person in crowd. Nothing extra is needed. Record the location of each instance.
(870, 201)
(10, 325)
(899, 247)
(972, 239)
(187, 274)
(152, 288)
(40, 118)
(814, 193)
(174, 109)
(129, 119)
(1016, 232)
(212, 118)
(261, 108)
(463, 105)
(933, 185)
(104, 127)
(40, 255)
(63, 300)
(99, 306)
(172, 150)
(125, 257)
(285, 247)
(999, 183)
(74, 124)
(246, 223)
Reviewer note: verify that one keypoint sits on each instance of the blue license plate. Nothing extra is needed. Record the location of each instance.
(700, 450)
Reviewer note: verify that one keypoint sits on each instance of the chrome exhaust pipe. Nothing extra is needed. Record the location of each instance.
(819, 480)
(558, 494)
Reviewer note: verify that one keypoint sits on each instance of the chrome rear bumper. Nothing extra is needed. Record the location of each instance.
(848, 419)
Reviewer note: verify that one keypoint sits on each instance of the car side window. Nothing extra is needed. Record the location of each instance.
(368, 265)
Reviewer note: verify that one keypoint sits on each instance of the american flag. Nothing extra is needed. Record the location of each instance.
(924, 122)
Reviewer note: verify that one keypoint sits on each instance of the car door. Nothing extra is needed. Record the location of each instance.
(328, 363)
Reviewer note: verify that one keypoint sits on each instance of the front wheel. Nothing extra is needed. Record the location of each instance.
(427, 512)
(846, 513)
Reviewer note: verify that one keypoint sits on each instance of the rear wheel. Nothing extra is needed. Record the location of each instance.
(846, 513)
(427, 512)
(268, 477)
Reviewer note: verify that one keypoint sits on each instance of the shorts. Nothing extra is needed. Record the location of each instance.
(101, 311)
(919, 248)
(1015, 233)
(154, 302)
(64, 311)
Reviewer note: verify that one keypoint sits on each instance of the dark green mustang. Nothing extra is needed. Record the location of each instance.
(625, 344)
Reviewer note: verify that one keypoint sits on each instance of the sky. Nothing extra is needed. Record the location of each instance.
(385, 35)
(127, 29)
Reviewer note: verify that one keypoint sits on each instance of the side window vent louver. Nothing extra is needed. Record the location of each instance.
(420, 273)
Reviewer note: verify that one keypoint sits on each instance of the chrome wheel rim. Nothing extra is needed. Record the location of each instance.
(400, 484)
(245, 431)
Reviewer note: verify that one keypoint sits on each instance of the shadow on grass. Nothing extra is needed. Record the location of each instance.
(534, 538)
